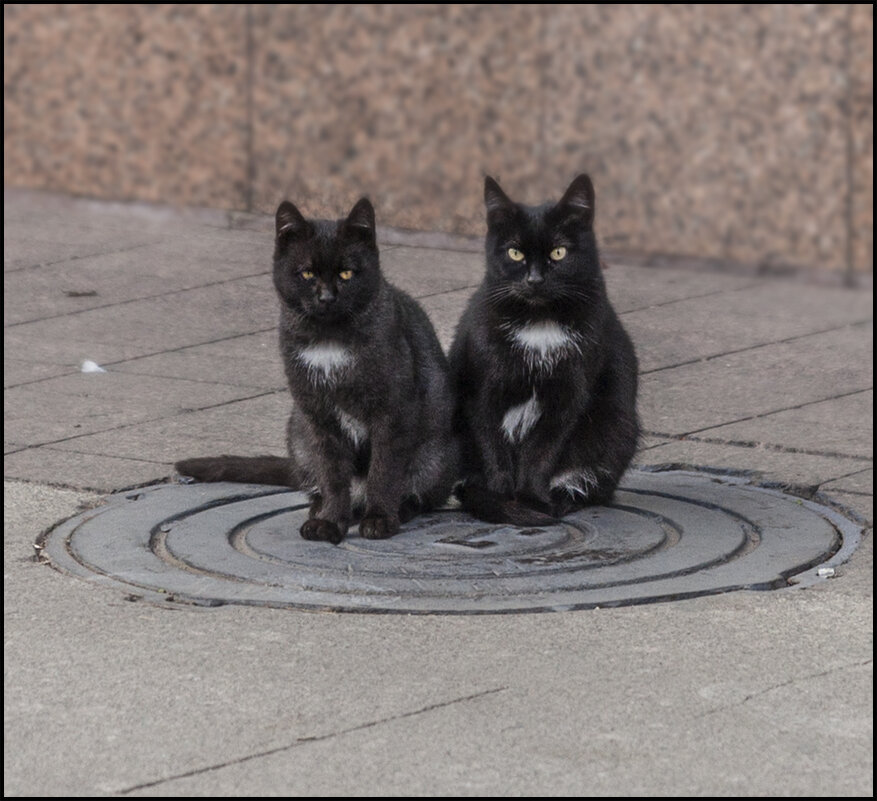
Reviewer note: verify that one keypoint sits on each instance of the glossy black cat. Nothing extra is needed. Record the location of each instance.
(545, 375)
(370, 428)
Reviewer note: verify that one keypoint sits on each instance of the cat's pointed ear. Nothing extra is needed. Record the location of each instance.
(494, 198)
(289, 220)
(499, 206)
(579, 199)
(361, 219)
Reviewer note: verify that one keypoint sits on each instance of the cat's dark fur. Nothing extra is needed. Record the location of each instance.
(372, 403)
(545, 375)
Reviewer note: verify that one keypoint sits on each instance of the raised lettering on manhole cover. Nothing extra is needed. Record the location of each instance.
(667, 535)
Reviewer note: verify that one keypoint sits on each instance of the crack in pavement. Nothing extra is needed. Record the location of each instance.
(794, 680)
(847, 475)
(739, 443)
(306, 740)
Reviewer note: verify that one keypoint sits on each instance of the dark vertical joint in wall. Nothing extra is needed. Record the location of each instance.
(850, 274)
(251, 159)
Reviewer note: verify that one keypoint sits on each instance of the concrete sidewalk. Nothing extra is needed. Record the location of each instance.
(737, 694)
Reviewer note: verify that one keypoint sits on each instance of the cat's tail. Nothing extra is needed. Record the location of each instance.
(492, 507)
(275, 470)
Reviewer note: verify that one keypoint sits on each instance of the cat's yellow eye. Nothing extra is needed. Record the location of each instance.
(515, 254)
(307, 275)
(345, 275)
(557, 254)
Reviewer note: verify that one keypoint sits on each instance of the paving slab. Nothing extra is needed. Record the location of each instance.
(131, 329)
(861, 505)
(86, 471)
(104, 279)
(72, 406)
(64, 245)
(799, 470)
(763, 380)
(495, 751)
(841, 425)
(38, 215)
(425, 271)
(725, 322)
(251, 360)
(444, 311)
(633, 288)
(860, 481)
(249, 427)
(22, 371)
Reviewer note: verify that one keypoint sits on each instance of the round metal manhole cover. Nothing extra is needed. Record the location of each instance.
(667, 535)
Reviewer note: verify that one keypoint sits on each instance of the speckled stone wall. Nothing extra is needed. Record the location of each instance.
(730, 132)
(127, 101)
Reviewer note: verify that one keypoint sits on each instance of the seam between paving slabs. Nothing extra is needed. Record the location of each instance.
(445, 292)
(747, 444)
(711, 293)
(804, 405)
(127, 301)
(793, 338)
(154, 419)
(66, 259)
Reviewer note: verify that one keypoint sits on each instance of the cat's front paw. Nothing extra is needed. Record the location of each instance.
(378, 527)
(325, 530)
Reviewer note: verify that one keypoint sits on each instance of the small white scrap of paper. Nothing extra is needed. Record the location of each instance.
(89, 366)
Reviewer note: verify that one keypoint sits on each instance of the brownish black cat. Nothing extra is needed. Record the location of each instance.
(370, 428)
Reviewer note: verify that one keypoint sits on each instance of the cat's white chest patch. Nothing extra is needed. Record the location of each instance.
(518, 420)
(355, 429)
(542, 338)
(325, 359)
(544, 343)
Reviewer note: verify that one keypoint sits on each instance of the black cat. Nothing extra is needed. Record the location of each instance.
(546, 377)
(370, 428)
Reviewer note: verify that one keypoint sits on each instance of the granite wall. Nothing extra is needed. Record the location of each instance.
(741, 133)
